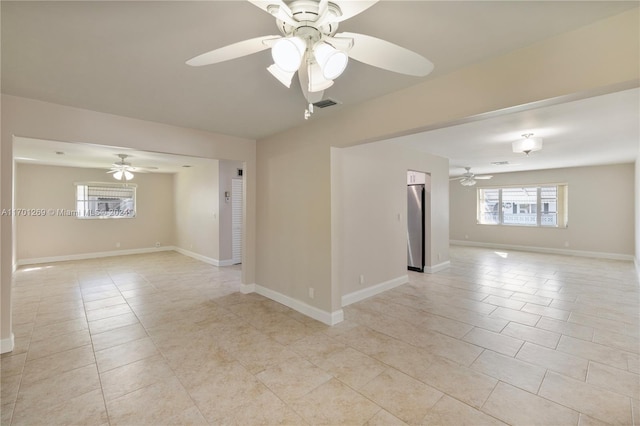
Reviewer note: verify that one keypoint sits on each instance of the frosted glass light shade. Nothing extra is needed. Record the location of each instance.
(527, 145)
(123, 175)
(283, 76)
(317, 82)
(331, 60)
(288, 52)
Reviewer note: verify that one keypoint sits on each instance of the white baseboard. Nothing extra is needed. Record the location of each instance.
(437, 268)
(7, 345)
(365, 293)
(247, 288)
(205, 259)
(329, 318)
(548, 250)
(94, 255)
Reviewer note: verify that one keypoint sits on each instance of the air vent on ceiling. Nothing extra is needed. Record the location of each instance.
(325, 103)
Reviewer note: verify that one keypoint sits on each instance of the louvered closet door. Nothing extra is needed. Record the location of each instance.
(237, 197)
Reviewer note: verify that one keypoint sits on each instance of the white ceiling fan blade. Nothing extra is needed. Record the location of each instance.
(351, 8)
(233, 51)
(483, 177)
(383, 54)
(276, 8)
(323, 12)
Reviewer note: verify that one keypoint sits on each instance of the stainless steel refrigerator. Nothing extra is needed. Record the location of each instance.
(415, 227)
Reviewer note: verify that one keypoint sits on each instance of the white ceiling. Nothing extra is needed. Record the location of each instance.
(127, 58)
(593, 131)
(56, 153)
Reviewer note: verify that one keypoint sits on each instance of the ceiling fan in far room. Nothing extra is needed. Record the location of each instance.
(469, 179)
(123, 170)
(310, 45)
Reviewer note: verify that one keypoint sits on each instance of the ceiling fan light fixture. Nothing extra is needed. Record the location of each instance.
(467, 182)
(331, 60)
(288, 52)
(527, 144)
(123, 175)
(317, 81)
(283, 77)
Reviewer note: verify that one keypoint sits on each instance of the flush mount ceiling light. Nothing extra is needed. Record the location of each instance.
(311, 46)
(528, 144)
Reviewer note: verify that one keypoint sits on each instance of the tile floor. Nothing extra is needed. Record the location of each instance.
(499, 338)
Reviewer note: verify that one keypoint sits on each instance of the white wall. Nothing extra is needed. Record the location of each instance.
(52, 187)
(369, 214)
(601, 211)
(197, 210)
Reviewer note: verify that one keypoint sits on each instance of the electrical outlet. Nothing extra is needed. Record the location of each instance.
(311, 292)
(157, 245)
(117, 245)
(361, 279)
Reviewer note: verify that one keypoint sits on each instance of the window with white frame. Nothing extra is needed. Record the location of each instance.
(97, 200)
(530, 205)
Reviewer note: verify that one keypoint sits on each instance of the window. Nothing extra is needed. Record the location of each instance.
(105, 200)
(531, 205)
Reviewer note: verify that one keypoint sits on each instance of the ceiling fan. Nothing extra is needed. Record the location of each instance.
(310, 45)
(123, 170)
(469, 179)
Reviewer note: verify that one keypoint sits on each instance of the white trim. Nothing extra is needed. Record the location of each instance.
(437, 268)
(247, 288)
(205, 259)
(329, 318)
(637, 262)
(365, 293)
(7, 345)
(94, 255)
(548, 250)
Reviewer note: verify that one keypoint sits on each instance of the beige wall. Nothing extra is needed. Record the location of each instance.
(369, 192)
(196, 210)
(294, 221)
(52, 187)
(42, 120)
(601, 211)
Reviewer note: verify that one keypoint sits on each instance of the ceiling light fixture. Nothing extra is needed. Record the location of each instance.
(288, 52)
(527, 144)
(331, 60)
(123, 175)
(310, 45)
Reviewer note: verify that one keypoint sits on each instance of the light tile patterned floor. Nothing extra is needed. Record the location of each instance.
(515, 338)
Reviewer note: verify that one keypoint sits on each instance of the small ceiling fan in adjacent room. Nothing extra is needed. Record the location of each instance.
(310, 45)
(123, 170)
(469, 179)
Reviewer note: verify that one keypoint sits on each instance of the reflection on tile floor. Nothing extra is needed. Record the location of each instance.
(499, 338)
